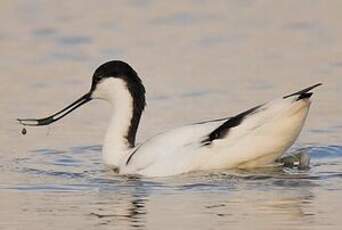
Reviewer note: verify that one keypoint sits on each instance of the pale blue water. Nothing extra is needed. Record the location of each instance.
(199, 60)
(75, 183)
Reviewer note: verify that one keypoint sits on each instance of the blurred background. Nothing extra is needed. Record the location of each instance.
(198, 59)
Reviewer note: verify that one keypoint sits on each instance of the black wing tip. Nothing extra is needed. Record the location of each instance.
(304, 93)
(304, 96)
(315, 85)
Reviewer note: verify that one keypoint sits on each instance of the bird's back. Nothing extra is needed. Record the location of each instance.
(253, 138)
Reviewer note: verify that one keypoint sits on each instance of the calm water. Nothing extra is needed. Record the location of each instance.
(199, 60)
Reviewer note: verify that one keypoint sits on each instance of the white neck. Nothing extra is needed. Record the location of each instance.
(116, 145)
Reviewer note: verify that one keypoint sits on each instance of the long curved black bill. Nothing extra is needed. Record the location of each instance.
(59, 115)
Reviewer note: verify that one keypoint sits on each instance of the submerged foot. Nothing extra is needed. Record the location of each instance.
(300, 160)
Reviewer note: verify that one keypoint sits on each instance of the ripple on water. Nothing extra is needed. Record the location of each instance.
(331, 151)
(81, 169)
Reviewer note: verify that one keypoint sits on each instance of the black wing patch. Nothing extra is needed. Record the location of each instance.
(222, 130)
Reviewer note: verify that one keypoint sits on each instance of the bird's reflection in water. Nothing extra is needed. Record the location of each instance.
(129, 209)
(268, 194)
(137, 212)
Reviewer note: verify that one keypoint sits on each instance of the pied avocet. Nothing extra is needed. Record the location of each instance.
(250, 139)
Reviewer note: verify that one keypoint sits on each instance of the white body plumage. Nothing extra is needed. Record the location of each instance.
(261, 138)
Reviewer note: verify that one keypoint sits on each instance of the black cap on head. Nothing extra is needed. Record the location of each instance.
(116, 69)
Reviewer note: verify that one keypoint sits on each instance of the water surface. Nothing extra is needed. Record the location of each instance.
(199, 60)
